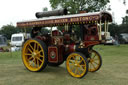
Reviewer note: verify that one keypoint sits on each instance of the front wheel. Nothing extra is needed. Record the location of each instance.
(34, 55)
(95, 61)
(77, 65)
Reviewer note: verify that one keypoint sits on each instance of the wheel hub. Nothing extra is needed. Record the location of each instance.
(76, 65)
(34, 54)
(91, 60)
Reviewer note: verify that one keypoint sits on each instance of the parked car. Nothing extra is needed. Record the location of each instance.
(123, 38)
(3, 41)
(110, 41)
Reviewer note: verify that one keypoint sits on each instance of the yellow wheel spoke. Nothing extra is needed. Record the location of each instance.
(39, 59)
(90, 66)
(76, 70)
(30, 58)
(96, 63)
(34, 61)
(27, 54)
(72, 68)
(75, 60)
(93, 65)
(73, 57)
(34, 46)
(83, 65)
(37, 47)
(70, 61)
(94, 56)
(31, 47)
(81, 68)
(41, 56)
(37, 63)
(80, 61)
(39, 52)
(72, 64)
(30, 63)
(96, 59)
(30, 50)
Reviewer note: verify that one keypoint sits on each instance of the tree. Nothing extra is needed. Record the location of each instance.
(114, 29)
(45, 9)
(8, 30)
(74, 6)
(125, 20)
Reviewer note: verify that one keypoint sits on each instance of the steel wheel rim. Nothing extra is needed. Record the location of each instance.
(94, 61)
(33, 55)
(76, 65)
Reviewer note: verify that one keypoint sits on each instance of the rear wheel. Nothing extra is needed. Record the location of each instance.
(77, 65)
(34, 55)
(95, 61)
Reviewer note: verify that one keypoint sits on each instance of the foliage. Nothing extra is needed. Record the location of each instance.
(8, 30)
(125, 20)
(113, 29)
(118, 29)
(45, 9)
(74, 6)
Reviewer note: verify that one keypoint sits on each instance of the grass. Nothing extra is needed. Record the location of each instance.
(114, 70)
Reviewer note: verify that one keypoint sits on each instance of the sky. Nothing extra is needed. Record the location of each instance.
(12, 11)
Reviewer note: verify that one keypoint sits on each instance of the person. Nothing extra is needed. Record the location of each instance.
(116, 40)
(35, 31)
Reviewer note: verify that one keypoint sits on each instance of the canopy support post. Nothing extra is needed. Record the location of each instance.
(100, 38)
(66, 27)
(51, 31)
(25, 35)
(105, 29)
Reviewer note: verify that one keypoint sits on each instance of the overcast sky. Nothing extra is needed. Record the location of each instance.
(12, 11)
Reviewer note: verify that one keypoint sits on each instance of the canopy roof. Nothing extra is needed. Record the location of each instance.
(83, 18)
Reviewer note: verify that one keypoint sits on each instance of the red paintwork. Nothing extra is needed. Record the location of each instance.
(90, 43)
(90, 36)
(52, 49)
(58, 50)
(67, 37)
(55, 33)
(70, 48)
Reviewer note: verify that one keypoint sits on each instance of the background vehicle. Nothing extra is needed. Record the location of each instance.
(110, 41)
(55, 48)
(123, 38)
(107, 35)
(3, 41)
(18, 39)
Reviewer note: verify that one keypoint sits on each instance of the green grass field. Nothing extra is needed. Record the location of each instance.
(114, 70)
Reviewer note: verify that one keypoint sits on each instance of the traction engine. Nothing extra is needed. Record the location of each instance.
(76, 48)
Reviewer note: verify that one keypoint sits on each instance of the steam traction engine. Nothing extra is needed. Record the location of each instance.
(56, 47)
